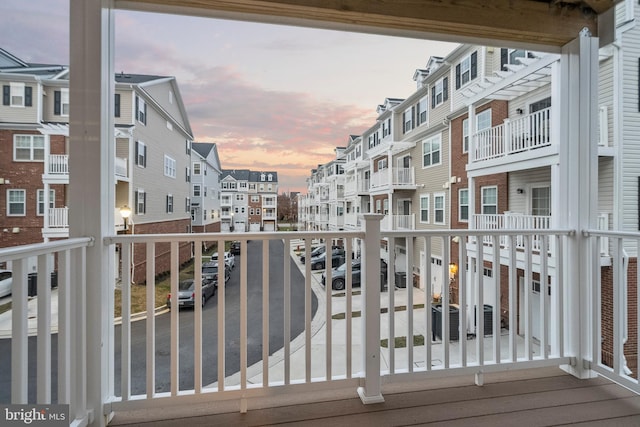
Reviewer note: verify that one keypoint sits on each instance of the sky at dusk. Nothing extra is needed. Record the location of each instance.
(272, 97)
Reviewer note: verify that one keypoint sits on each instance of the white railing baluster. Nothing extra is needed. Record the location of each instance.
(221, 319)
(391, 283)
(528, 296)
(125, 327)
(462, 298)
(287, 315)
(513, 292)
(64, 325)
(19, 334)
(479, 310)
(544, 297)
(175, 339)
(43, 391)
(497, 307)
(348, 314)
(265, 301)
(243, 309)
(151, 319)
(328, 259)
(307, 312)
(197, 314)
(409, 288)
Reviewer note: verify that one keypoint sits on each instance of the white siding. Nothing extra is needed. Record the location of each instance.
(524, 179)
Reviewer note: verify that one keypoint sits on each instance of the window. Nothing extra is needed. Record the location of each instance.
(16, 202)
(240, 197)
(467, 70)
(463, 204)
(116, 107)
(255, 199)
(28, 148)
(251, 211)
(421, 111)
(512, 56)
(52, 201)
(196, 169)
(187, 204)
(169, 203)
(483, 121)
(169, 167)
(61, 102)
(424, 209)
(187, 174)
(196, 190)
(541, 201)
(141, 154)
(242, 185)
(141, 201)
(17, 95)
(431, 151)
(386, 130)
(141, 110)
(378, 206)
(270, 177)
(187, 146)
(440, 92)
(385, 206)
(407, 119)
(382, 164)
(489, 200)
(438, 208)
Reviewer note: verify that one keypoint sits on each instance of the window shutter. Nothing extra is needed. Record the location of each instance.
(458, 76)
(474, 65)
(137, 108)
(144, 202)
(167, 204)
(144, 107)
(445, 88)
(414, 118)
(144, 153)
(57, 101)
(504, 57)
(433, 97)
(6, 95)
(137, 197)
(137, 148)
(116, 108)
(28, 96)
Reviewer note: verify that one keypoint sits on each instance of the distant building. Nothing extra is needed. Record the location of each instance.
(248, 200)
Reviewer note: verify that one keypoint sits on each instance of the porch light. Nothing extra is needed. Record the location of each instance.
(453, 269)
(125, 212)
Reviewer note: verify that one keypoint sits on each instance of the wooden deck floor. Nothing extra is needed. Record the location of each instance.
(548, 397)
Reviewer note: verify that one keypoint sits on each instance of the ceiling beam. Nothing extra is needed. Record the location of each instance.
(520, 22)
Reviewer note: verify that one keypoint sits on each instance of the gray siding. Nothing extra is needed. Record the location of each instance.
(519, 203)
(9, 114)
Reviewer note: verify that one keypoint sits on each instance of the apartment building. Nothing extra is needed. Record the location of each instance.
(151, 160)
(205, 188)
(248, 200)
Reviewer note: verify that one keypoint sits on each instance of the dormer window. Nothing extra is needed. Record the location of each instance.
(270, 177)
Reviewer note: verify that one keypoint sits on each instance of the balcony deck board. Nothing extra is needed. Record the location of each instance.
(527, 398)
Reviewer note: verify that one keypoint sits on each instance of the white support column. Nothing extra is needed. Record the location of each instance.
(578, 183)
(371, 392)
(92, 186)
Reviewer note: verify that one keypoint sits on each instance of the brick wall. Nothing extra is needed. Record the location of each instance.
(163, 250)
(606, 307)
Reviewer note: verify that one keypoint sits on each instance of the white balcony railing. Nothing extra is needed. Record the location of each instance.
(59, 217)
(399, 222)
(512, 221)
(399, 177)
(349, 360)
(58, 164)
(515, 135)
(122, 168)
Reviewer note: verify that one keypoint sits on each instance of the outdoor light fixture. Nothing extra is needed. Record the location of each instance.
(519, 110)
(453, 269)
(125, 212)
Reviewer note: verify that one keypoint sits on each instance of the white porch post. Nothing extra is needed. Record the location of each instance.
(92, 187)
(371, 392)
(578, 183)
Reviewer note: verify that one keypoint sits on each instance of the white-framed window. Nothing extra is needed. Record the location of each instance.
(255, 199)
(52, 201)
(28, 148)
(141, 201)
(424, 208)
(483, 120)
(431, 151)
(141, 154)
(187, 204)
(17, 94)
(421, 111)
(258, 211)
(386, 130)
(382, 164)
(269, 187)
(141, 110)
(407, 119)
(187, 174)
(16, 202)
(385, 206)
(169, 167)
(251, 211)
(378, 206)
(187, 146)
(467, 70)
(169, 203)
(197, 190)
(240, 197)
(438, 208)
(440, 92)
(270, 177)
(465, 136)
(242, 185)
(463, 205)
(489, 200)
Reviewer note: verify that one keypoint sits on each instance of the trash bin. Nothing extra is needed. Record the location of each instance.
(54, 279)
(383, 282)
(488, 319)
(32, 284)
(401, 279)
(454, 321)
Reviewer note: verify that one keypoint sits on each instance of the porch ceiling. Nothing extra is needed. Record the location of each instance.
(550, 23)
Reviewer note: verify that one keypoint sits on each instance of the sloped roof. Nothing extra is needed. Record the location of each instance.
(136, 78)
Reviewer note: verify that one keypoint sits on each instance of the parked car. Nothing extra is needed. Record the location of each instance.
(210, 272)
(319, 262)
(187, 293)
(229, 259)
(339, 275)
(234, 248)
(6, 280)
(316, 251)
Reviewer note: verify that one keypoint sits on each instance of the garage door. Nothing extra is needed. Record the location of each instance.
(269, 226)
(239, 227)
(254, 226)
